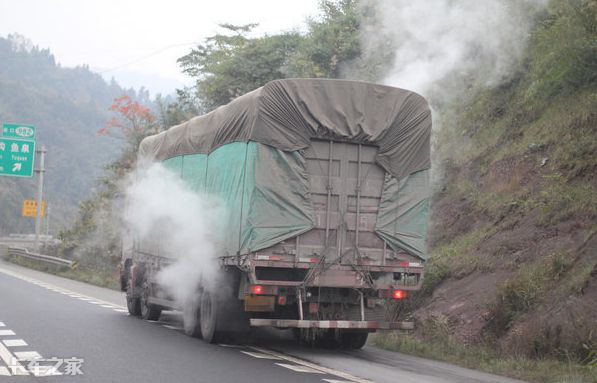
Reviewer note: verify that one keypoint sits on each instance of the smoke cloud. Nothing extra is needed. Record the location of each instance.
(437, 39)
(165, 215)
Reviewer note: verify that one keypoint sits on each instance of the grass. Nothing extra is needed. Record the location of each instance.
(561, 201)
(525, 288)
(102, 278)
(456, 258)
(438, 345)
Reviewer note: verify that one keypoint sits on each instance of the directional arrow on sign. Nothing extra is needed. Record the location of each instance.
(16, 157)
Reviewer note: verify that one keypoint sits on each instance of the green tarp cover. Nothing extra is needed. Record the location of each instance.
(249, 153)
(265, 191)
(403, 210)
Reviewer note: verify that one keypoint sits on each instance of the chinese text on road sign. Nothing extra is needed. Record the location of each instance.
(30, 208)
(17, 150)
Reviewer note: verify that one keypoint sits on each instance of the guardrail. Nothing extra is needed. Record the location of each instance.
(22, 252)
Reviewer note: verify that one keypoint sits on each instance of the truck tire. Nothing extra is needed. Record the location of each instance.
(148, 311)
(132, 303)
(191, 317)
(208, 313)
(353, 340)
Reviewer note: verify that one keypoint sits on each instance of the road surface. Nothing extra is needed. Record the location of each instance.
(88, 329)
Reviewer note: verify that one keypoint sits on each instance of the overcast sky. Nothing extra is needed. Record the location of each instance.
(108, 34)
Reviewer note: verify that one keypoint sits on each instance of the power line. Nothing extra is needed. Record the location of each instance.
(147, 56)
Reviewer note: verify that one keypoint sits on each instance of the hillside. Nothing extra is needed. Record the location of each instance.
(68, 106)
(514, 214)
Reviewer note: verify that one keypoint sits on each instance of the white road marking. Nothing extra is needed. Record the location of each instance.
(121, 310)
(96, 302)
(6, 332)
(260, 355)
(297, 368)
(336, 381)
(28, 355)
(325, 370)
(14, 342)
(7, 357)
(108, 306)
(59, 290)
(1, 324)
(4, 371)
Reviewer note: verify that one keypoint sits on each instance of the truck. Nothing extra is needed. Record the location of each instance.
(327, 185)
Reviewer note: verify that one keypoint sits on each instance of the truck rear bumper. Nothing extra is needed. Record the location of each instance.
(294, 323)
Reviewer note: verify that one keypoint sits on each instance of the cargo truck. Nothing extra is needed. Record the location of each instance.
(327, 187)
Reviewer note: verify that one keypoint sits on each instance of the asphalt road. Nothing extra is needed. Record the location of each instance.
(44, 316)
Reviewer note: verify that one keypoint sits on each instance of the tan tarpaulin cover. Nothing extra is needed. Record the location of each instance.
(247, 153)
(286, 114)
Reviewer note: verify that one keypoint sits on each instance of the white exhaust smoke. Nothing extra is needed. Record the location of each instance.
(165, 215)
(435, 39)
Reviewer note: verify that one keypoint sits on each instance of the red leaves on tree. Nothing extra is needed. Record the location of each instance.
(134, 120)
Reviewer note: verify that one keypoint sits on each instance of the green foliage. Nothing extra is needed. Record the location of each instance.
(563, 55)
(521, 292)
(229, 65)
(550, 100)
(560, 201)
(68, 106)
(94, 237)
(454, 258)
(332, 39)
(522, 157)
(185, 107)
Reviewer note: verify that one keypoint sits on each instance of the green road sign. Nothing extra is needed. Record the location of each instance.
(20, 131)
(16, 157)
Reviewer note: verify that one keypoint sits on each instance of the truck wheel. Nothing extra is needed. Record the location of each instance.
(148, 311)
(132, 304)
(208, 313)
(353, 340)
(191, 317)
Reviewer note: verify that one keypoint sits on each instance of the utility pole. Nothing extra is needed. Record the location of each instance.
(40, 190)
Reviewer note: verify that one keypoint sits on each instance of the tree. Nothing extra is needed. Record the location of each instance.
(173, 112)
(230, 64)
(133, 121)
(332, 39)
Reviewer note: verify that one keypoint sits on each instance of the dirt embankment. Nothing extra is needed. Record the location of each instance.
(514, 250)
(525, 277)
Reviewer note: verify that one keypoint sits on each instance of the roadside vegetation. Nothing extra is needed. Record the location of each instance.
(514, 217)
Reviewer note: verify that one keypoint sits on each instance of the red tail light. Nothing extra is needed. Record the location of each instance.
(398, 294)
(256, 289)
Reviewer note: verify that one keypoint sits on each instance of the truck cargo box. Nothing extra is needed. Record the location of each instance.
(338, 166)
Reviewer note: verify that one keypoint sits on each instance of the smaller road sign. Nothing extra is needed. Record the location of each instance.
(30, 208)
(20, 131)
